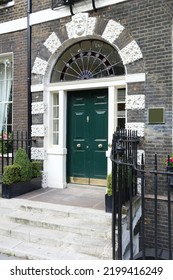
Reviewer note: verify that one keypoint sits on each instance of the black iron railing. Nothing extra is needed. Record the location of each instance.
(124, 178)
(59, 3)
(9, 144)
(156, 188)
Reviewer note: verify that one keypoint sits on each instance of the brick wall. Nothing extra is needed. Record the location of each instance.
(17, 44)
(19, 10)
(150, 23)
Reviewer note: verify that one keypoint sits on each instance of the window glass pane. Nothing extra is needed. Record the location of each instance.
(55, 99)
(55, 119)
(9, 114)
(121, 94)
(55, 138)
(121, 106)
(121, 123)
(120, 111)
(5, 93)
(55, 125)
(56, 112)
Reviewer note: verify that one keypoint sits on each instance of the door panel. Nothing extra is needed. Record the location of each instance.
(99, 132)
(77, 136)
(87, 136)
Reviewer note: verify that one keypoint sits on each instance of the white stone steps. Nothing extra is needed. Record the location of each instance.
(53, 231)
(74, 225)
(34, 251)
(55, 209)
(75, 242)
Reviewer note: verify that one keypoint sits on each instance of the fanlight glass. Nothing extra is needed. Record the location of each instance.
(88, 59)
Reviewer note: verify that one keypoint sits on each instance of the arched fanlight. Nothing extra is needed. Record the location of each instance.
(88, 59)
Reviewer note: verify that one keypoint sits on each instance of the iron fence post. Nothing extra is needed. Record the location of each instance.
(114, 196)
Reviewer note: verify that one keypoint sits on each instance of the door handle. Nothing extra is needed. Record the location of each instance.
(78, 146)
(100, 146)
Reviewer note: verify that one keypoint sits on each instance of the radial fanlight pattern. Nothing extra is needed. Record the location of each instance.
(88, 59)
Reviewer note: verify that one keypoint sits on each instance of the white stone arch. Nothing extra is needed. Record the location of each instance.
(58, 41)
(130, 53)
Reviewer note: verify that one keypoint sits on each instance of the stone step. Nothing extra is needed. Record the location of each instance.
(55, 210)
(94, 246)
(62, 231)
(71, 224)
(35, 251)
(59, 217)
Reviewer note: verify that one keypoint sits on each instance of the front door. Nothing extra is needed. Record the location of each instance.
(87, 136)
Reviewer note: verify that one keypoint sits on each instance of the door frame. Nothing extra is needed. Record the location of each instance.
(57, 155)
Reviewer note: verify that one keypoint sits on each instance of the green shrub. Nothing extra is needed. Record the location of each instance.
(22, 170)
(11, 174)
(21, 158)
(36, 168)
(109, 184)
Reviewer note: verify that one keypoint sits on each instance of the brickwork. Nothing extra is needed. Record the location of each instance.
(19, 10)
(149, 23)
(17, 44)
(162, 227)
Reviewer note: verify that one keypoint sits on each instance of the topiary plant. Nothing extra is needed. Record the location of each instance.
(21, 158)
(36, 168)
(11, 174)
(109, 184)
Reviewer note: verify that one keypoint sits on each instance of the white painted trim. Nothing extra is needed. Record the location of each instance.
(13, 25)
(97, 83)
(49, 15)
(93, 83)
(62, 119)
(112, 99)
(37, 88)
(135, 78)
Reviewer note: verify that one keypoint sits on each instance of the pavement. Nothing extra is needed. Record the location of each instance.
(74, 195)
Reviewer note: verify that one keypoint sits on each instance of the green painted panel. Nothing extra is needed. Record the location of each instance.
(87, 134)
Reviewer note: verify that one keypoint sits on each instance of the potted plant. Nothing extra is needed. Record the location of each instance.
(22, 176)
(108, 195)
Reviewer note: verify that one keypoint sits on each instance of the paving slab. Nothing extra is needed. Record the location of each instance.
(74, 195)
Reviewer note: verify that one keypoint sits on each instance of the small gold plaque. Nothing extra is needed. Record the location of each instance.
(156, 115)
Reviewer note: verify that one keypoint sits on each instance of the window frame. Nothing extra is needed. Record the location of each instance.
(52, 118)
(8, 56)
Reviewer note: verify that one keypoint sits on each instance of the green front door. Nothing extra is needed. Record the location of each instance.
(87, 135)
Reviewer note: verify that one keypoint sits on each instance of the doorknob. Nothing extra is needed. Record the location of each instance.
(78, 145)
(100, 146)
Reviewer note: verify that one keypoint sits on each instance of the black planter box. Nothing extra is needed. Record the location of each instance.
(19, 188)
(108, 203)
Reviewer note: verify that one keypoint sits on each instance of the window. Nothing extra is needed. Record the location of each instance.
(6, 93)
(6, 3)
(55, 119)
(87, 59)
(121, 96)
